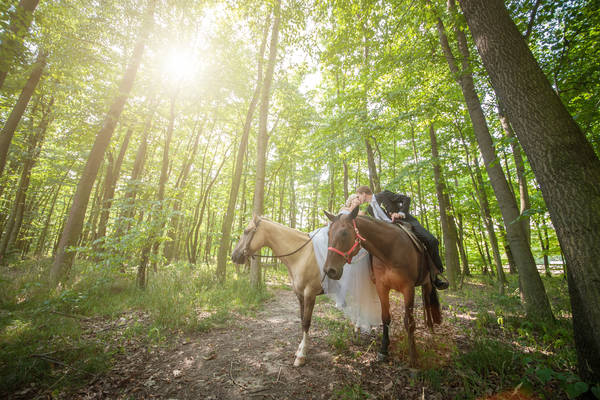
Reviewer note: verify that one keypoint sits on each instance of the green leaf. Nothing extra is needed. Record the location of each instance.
(544, 374)
(575, 389)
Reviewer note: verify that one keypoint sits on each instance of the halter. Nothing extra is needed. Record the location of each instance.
(357, 240)
(245, 252)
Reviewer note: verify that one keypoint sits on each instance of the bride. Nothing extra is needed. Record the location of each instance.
(354, 293)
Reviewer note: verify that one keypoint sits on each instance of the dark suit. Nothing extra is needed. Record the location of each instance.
(394, 202)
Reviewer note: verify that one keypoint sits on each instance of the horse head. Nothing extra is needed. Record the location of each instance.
(343, 244)
(249, 243)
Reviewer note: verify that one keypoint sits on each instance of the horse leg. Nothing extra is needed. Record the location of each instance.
(309, 304)
(409, 323)
(301, 301)
(384, 298)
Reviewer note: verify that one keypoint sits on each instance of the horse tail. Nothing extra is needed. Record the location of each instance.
(435, 306)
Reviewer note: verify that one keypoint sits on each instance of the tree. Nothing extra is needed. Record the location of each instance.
(74, 224)
(13, 120)
(12, 38)
(536, 301)
(239, 164)
(34, 144)
(261, 146)
(562, 159)
(448, 226)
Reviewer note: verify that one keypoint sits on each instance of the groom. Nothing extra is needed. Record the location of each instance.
(392, 207)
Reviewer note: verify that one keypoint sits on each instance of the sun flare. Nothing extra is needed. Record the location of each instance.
(180, 65)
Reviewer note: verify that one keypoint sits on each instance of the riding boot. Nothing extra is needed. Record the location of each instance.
(440, 282)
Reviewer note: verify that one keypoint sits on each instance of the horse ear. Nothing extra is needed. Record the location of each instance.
(329, 215)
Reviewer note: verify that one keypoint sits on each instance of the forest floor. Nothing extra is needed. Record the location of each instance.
(252, 357)
(481, 350)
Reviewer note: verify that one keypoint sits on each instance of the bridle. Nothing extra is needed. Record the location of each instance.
(357, 241)
(253, 232)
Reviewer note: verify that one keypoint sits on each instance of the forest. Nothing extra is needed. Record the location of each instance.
(141, 138)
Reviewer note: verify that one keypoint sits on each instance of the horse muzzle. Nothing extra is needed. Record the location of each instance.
(239, 257)
(333, 273)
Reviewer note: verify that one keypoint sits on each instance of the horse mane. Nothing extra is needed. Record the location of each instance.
(285, 227)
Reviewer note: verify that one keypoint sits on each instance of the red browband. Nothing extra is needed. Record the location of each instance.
(347, 255)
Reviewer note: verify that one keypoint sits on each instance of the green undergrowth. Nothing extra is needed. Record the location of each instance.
(51, 339)
(505, 349)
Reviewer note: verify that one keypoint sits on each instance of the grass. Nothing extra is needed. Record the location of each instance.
(53, 338)
(505, 348)
(351, 392)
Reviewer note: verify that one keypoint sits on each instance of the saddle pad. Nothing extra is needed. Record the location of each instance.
(420, 247)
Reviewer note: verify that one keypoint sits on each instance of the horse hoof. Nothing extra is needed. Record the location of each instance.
(382, 357)
(299, 361)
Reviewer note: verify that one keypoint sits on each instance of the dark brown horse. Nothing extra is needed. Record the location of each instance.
(397, 264)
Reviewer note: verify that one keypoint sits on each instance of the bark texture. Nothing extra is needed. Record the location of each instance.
(563, 161)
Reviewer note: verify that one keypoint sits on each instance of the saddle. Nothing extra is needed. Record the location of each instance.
(406, 227)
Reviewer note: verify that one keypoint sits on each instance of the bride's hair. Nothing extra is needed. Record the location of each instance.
(350, 199)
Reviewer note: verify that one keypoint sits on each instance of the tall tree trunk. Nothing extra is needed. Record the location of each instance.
(131, 190)
(484, 206)
(10, 126)
(293, 197)
(536, 301)
(239, 164)
(346, 191)
(562, 159)
(12, 39)
(461, 247)
(152, 245)
(34, 145)
(448, 230)
(42, 238)
(261, 148)
(422, 212)
(72, 230)
(544, 245)
(110, 184)
(331, 197)
(373, 175)
(520, 167)
(172, 246)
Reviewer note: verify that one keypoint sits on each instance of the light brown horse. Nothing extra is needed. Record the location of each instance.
(396, 264)
(298, 254)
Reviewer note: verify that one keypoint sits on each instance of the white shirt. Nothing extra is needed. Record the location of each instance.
(378, 211)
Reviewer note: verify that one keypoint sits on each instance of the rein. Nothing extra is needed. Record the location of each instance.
(283, 255)
(357, 240)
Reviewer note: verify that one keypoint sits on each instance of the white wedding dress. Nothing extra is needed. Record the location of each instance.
(354, 293)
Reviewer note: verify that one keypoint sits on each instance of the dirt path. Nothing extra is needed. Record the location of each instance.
(252, 358)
